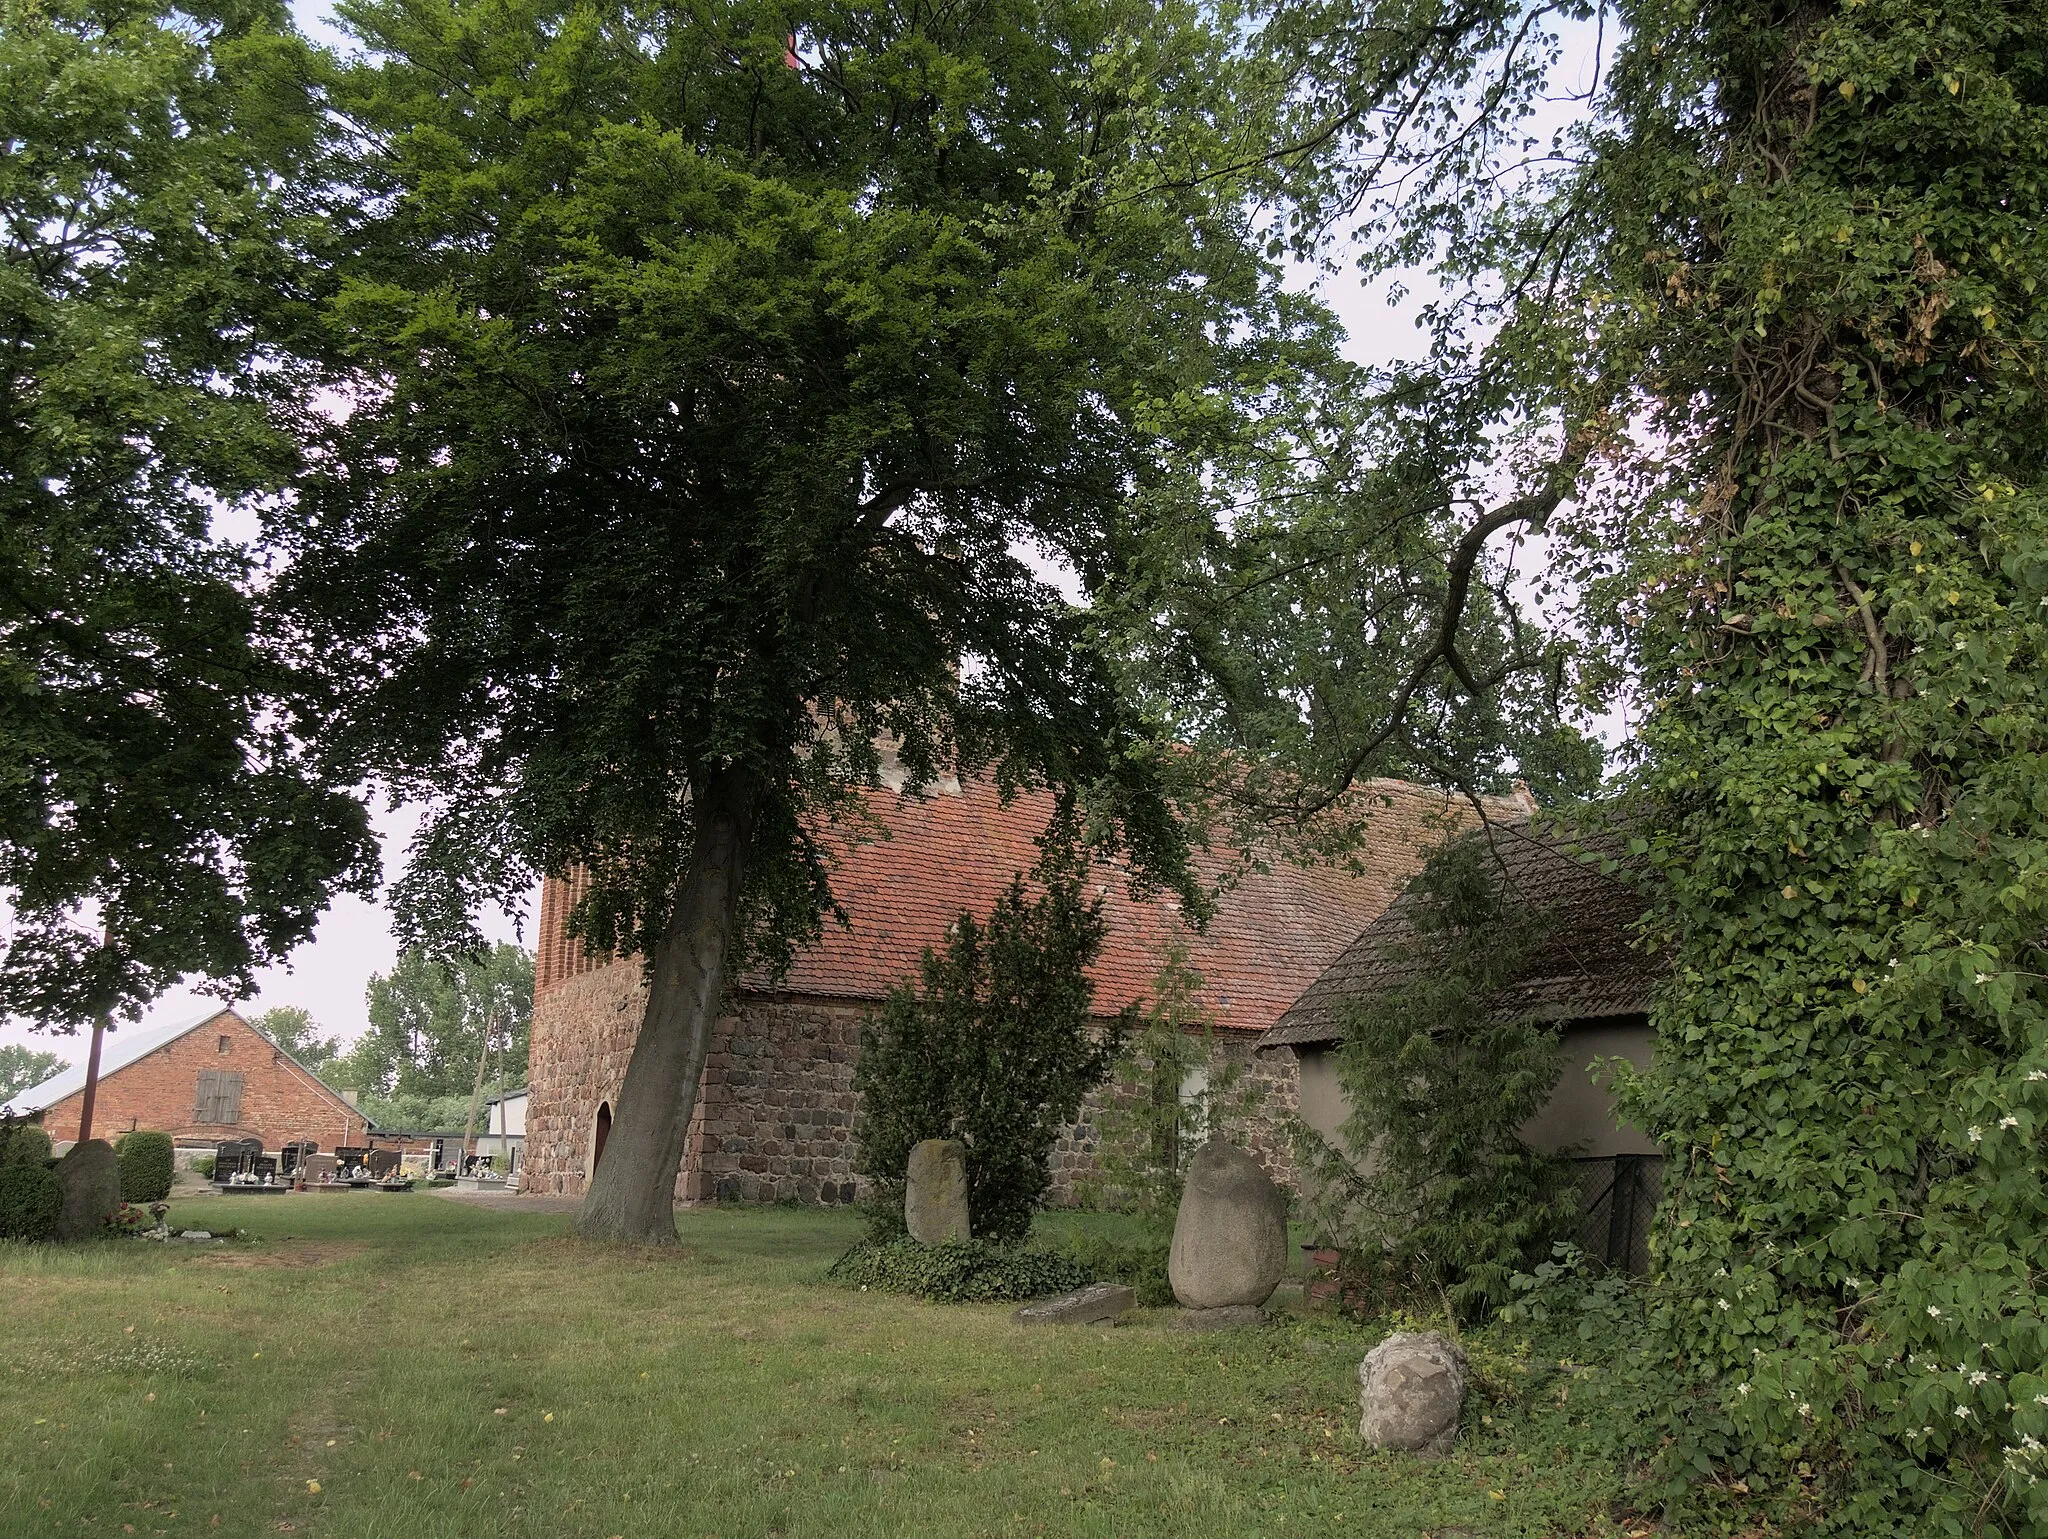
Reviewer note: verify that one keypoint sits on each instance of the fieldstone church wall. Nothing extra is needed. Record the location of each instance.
(775, 1113)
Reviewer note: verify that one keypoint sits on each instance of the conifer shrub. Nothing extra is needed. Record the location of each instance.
(23, 1143)
(1441, 1076)
(996, 1046)
(30, 1200)
(146, 1166)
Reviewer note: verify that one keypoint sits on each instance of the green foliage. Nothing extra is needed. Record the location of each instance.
(149, 768)
(23, 1143)
(23, 1068)
(146, 1166)
(203, 1167)
(1140, 1265)
(417, 1113)
(293, 1028)
(996, 1047)
(30, 1200)
(429, 1021)
(1174, 1087)
(959, 1271)
(1786, 279)
(1430, 1187)
(726, 426)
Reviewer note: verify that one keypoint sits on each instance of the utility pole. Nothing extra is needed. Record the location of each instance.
(92, 1060)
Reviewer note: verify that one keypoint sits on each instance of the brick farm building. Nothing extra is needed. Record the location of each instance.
(776, 1110)
(203, 1082)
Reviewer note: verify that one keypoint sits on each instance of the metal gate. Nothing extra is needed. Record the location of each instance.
(1618, 1199)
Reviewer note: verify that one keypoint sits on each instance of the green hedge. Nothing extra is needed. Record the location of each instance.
(959, 1271)
(145, 1166)
(30, 1200)
(23, 1143)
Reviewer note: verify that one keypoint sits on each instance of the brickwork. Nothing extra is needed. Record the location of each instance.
(775, 1115)
(160, 1091)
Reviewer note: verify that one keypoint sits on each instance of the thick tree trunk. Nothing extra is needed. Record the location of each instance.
(631, 1195)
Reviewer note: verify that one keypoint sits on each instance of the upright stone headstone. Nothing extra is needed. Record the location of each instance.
(935, 1193)
(1411, 1390)
(90, 1176)
(1230, 1236)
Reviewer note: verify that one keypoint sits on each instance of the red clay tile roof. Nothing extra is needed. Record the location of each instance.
(1274, 931)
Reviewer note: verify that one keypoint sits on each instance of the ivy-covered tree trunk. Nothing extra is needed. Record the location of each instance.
(1852, 1053)
(631, 1193)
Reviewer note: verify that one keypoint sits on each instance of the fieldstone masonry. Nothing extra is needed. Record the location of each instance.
(775, 1114)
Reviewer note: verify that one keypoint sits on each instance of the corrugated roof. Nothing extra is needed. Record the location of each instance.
(118, 1049)
(1584, 965)
(954, 851)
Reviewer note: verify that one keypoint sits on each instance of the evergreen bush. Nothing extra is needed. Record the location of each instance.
(30, 1200)
(146, 1166)
(23, 1143)
(1440, 1078)
(997, 1048)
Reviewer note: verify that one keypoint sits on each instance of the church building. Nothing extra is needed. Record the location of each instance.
(776, 1110)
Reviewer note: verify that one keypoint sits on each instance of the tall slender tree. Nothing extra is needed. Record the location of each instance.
(158, 819)
(721, 382)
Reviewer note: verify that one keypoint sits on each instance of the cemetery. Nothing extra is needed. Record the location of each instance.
(1274, 769)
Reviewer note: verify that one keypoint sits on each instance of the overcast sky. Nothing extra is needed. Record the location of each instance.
(330, 973)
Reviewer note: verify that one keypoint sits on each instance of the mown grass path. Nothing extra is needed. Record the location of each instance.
(406, 1367)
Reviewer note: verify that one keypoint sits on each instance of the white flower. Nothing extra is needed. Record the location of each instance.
(2036, 1075)
(1805, 1409)
(1742, 1389)
(1962, 1413)
(1725, 1305)
(1933, 1313)
(2008, 1122)
(1976, 1135)
(1962, 646)
(1982, 979)
(1851, 1282)
(1979, 1376)
(2041, 1399)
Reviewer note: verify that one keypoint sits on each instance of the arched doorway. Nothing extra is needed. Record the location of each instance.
(604, 1131)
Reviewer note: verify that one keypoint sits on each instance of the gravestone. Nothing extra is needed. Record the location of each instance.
(1096, 1304)
(1230, 1235)
(935, 1192)
(1411, 1389)
(90, 1176)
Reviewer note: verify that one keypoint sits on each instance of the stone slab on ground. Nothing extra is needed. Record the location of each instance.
(1411, 1390)
(90, 1176)
(1230, 1317)
(1096, 1304)
(935, 1192)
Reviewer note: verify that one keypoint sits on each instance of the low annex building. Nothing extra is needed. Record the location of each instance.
(202, 1081)
(1585, 972)
(775, 1112)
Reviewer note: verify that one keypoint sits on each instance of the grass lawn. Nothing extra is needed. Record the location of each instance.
(406, 1367)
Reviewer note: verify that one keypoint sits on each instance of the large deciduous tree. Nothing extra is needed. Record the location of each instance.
(719, 389)
(1785, 278)
(157, 819)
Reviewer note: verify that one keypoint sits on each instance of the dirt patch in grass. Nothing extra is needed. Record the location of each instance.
(284, 1253)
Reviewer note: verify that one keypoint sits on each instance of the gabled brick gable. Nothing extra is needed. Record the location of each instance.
(281, 1099)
